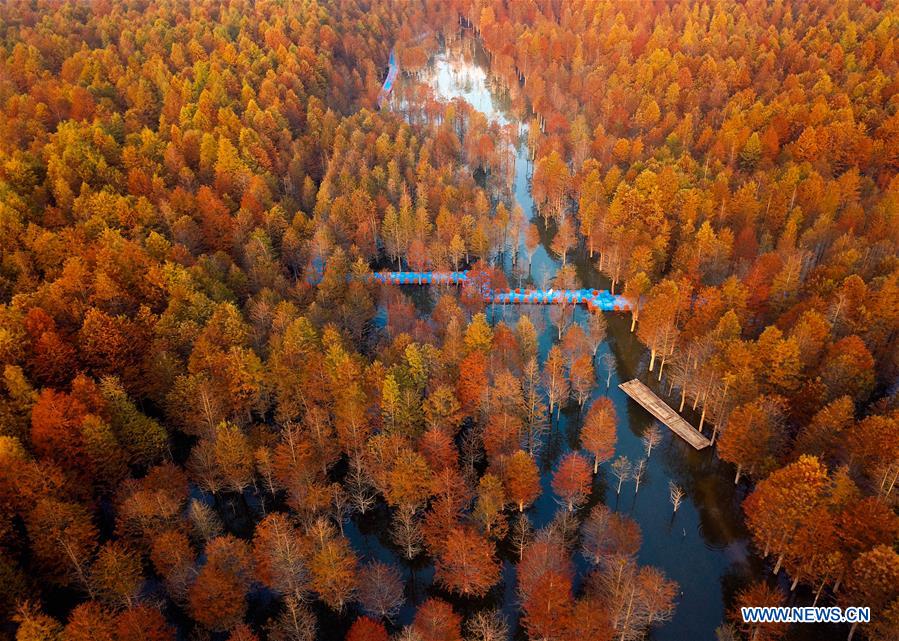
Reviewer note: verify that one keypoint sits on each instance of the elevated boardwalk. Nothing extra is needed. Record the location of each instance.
(595, 299)
(658, 408)
(393, 70)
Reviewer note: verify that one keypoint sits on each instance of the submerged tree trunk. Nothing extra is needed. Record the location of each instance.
(780, 559)
(820, 589)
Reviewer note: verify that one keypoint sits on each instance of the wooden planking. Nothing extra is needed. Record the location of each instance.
(658, 408)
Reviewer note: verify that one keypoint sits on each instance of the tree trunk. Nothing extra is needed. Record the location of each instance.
(737, 477)
(79, 569)
(818, 592)
(883, 482)
(626, 625)
(652, 359)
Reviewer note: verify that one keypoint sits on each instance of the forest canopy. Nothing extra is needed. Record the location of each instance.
(208, 408)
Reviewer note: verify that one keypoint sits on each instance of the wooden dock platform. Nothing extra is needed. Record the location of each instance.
(658, 408)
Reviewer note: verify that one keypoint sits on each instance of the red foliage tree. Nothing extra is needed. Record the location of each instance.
(549, 607)
(598, 434)
(365, 629)
(143, 623)
(522, 479)
(217, 599)
(467, 564)
(90, 622)
(572, 480)
(472, 383)
(435, 620)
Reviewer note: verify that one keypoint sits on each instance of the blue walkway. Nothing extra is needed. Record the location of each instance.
(594, 299)
(393, 70)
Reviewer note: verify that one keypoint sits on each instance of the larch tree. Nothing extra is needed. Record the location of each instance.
(754, 439)
(333, 570)
(535, 418)
(117, 574)
(782, 503)
(609, 367)
(596, 331)
(467, 565)
(661, 316)
(572, 481)
(218, 597)
(555, 379)
(564, 239)
(366, 629)
(651, 438)
(522, 479)
(675, 495)
(62, 539)
(759, 595)
(638, 473)
(607, 537)
(281, 555)
(87, 622)
(550, 185)
(435, 620)
(487, 625)
(531, 242)
(599, 432)
(380, 590)
(490, 501)
(622, 469)
(548, 607)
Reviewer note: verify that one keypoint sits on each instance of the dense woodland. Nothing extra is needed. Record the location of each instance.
(201, 387)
